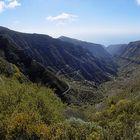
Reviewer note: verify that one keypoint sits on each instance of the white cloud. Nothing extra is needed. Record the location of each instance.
(8, 4)
(62, 18)
(138, 2)
(2, 6)
(13, 4)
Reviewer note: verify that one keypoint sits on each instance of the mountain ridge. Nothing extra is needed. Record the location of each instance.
(57, 55)
(96, 49)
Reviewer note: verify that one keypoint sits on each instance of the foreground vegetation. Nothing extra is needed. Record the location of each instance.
(28, 111)
(33, 112)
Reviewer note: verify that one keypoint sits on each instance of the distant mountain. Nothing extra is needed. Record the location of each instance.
(97, 50)
(127, 55)
(132, 51)
(116, 49)
(59, 56)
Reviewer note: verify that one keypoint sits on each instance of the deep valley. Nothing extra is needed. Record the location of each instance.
(67, 89)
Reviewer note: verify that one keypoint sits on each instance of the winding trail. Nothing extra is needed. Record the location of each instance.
(69, 88)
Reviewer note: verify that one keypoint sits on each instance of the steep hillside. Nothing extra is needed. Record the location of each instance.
(97, 50)
(126, 84)
(132, 51)
(28, 66)
(127, 55)
(61, 57)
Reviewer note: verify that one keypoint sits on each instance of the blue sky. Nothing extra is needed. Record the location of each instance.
(99, 21)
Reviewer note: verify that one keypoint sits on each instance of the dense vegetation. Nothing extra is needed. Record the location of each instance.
(32, 112)
(26, 108)
(28, 111)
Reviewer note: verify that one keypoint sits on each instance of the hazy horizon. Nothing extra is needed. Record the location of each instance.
(104, 22)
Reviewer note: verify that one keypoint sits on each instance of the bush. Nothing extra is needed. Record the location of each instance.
(27, 109)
